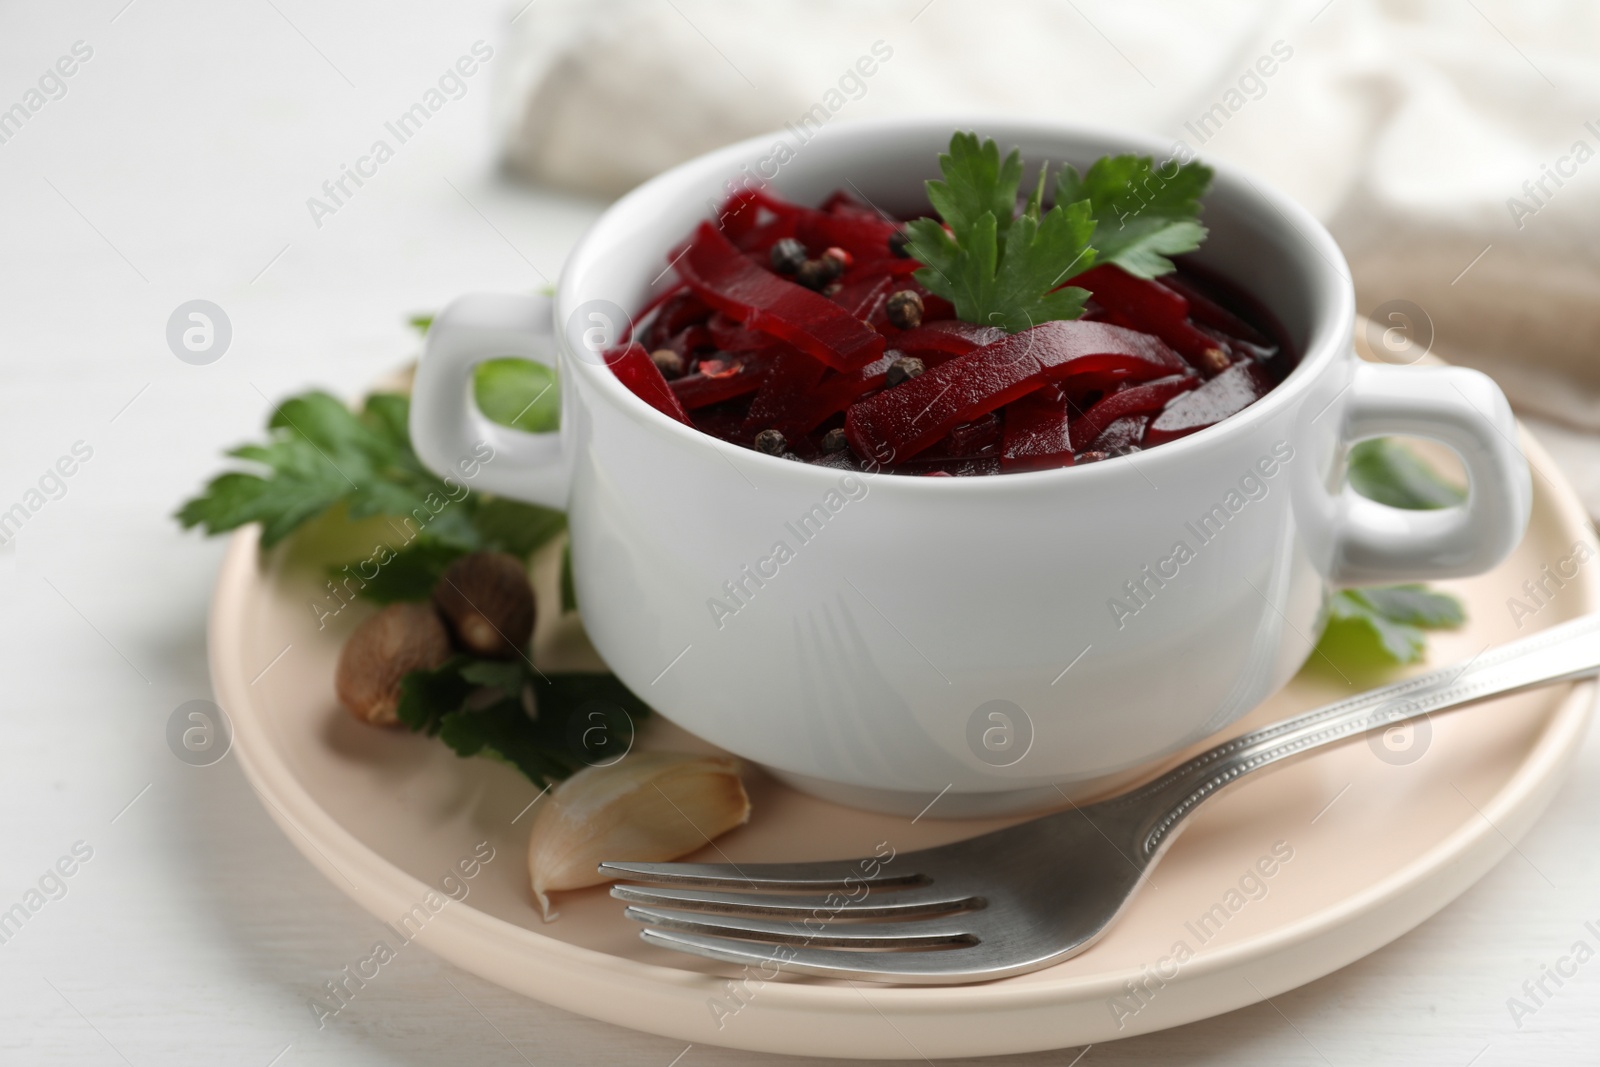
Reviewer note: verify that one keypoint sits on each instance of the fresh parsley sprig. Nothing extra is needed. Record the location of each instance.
(1389, 623)
(320, 455)
(1001, 267)
(546, 726)
(1143, 213)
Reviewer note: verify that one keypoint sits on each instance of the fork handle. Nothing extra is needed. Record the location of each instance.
(1561, 653)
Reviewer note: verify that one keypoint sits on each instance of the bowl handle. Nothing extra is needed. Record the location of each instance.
(1464, 410)
(448, 431)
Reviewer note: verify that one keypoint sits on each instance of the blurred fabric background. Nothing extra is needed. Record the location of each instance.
(1448, 144)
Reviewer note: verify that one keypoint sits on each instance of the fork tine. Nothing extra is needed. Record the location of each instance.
(801, 877)
(926, 933)
(955, 965)
(886, 902)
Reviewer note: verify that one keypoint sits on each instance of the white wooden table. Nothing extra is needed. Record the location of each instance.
(177, 165)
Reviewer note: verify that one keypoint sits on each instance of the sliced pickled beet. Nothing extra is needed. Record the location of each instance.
(970, 440)
(1133, 400)
(716, 380)
(1123, 434)
(732, 336)
(1207, 312)
(1036, 432)
(1227, 394)
(837, 392)
(675, 311)
(900, 422)
(942, 340)
(635, 369)
(1147, 305)
(732, 283)
(863, 296)
(788, 394)
(689, 341)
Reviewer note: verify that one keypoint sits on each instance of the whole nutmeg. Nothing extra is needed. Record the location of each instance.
(397, 640)
(487, 602)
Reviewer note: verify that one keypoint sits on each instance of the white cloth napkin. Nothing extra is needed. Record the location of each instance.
(1453, 146)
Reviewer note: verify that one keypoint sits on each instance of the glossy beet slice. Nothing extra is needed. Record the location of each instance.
(837, 392)
(675, 310)
(732, 283)
(729, 375)
(1124, 433)
(970, 440)
(1207, 312)
(636, 370)
(1227, 394)
(785, 400)
(1147, 305)
(1134, 400)
(900, 422)
(732, 336)
(946, 339)
(1036, 432)
(689, 341)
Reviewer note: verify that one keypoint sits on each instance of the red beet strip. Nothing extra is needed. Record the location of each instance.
(1037, 436)
(1151, 307)
(1134, 400)
(898, 423)
(1227, 394)
(716, 380)
(788, 393)
(732, 283)
(636, 370)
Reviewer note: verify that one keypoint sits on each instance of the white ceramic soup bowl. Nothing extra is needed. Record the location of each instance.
(891, 638)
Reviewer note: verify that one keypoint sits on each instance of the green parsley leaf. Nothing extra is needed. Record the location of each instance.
(1385, 470)
(319, 453)
(976, 183)
(517, 528)
(420, 323)
(996, 269)
(518, 393)
(1393, 617)
(410, 575)
(1388, 623)
(476, 706)
(1142, 213)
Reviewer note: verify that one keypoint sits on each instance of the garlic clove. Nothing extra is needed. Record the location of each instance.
(647, 808)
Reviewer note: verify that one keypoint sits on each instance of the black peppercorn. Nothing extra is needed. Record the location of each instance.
(772, 442)
(787, 255)
(817, 273)
(903, 369)
(905, 309)
(834, 440)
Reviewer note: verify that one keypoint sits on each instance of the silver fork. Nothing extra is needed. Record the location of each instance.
(1037, 893)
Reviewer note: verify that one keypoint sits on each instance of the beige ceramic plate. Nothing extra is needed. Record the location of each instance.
(1361, 844)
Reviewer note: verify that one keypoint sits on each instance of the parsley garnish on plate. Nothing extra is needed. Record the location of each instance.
(320, 456)
(321, 460)
(1001, 267)
(546, 726)
(1389, 623)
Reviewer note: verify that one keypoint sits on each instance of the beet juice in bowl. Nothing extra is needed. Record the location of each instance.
(904, 463)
